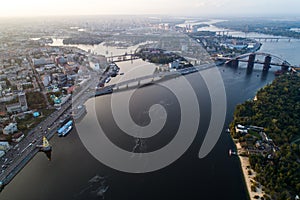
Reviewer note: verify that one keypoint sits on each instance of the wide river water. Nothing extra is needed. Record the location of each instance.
(69, 175)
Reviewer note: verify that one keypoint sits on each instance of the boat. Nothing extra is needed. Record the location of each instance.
(79, 112)
(45, 147)
(65, 129)
(96, 179)
(278, 72)
(103, 91)
(231, 152)
(1, 186)
(101, 191)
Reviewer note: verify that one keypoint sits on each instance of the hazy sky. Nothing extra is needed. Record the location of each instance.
(167, 7)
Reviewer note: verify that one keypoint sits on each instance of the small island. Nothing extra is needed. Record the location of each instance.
(85, 39)
(266, 132)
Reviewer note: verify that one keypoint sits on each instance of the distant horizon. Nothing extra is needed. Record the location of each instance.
(193, 8)
(211, 16)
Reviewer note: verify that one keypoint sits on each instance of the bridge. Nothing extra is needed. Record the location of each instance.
(275, 39)
(121, 58)
(250, 58)
(258, 38)
(148, 79)
(162, 76)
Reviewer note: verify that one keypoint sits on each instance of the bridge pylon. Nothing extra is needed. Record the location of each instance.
(235, 63)
(251, 61)
(285, 67)
(267, 63)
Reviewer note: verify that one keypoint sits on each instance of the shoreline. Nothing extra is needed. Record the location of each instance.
(9, 175)
(248, 179)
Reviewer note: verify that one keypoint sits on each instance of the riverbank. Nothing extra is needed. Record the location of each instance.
(273, 154)
(249, 174)
(7, 176)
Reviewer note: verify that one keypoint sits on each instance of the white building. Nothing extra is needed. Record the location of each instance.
(10, 129)
(4, 146)
(241, 129)
(2, 153)
(174, 64)
(97, 66)
(46, 80)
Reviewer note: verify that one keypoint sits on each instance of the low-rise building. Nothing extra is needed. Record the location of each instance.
(174, 64)
(42, 61)
(10, 129)
(4, 146)
(13, 108)
(18, 107)
(2, 153)
(241, 129)
(63, 100)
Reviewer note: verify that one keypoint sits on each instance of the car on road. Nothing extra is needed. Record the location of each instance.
(107, 80)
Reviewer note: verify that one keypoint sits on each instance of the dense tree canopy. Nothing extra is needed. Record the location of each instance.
(277, 109)
(35, 100)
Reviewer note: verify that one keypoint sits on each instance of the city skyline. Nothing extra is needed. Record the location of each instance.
(29, 8)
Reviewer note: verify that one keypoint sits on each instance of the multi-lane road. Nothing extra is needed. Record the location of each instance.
(17, 157)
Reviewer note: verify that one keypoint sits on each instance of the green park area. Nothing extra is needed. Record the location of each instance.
(277, 109)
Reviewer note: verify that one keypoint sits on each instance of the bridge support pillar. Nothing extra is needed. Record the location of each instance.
(284, 67)
(251, 61)
(139, 83)
(235, 63)
(267, 63)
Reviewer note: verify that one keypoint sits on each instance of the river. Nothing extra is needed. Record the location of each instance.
(69, 175)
